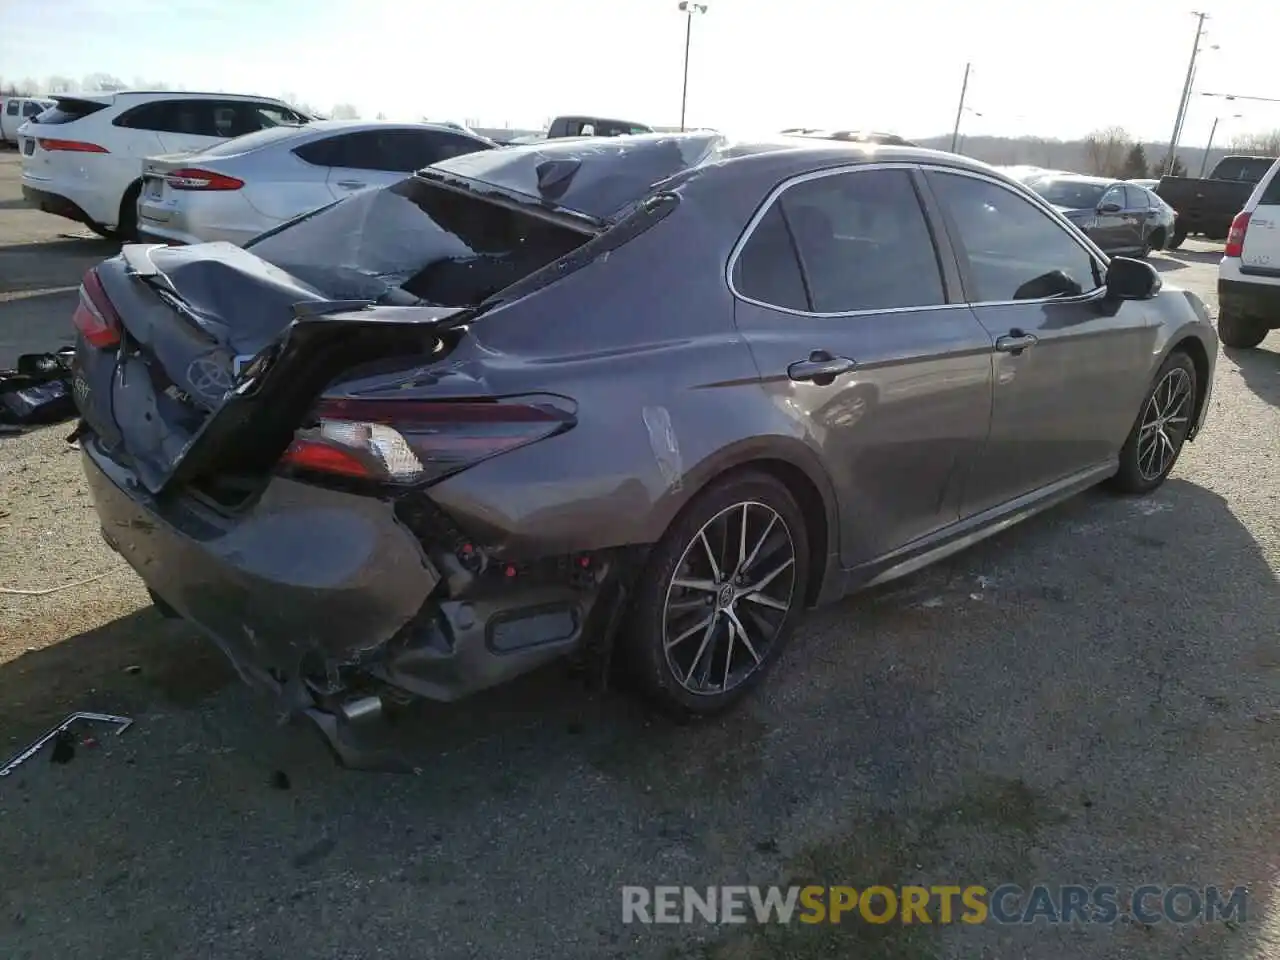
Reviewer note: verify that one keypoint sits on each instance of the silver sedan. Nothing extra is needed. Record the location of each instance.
(240, 188)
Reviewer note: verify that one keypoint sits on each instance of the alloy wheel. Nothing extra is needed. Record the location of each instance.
(729, 598)
(1165, 424)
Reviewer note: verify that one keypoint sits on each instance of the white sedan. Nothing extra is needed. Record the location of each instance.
(239, 189)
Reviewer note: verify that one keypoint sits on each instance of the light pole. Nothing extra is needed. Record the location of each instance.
(964, 89)
(1212, 130)
(689, 9)
(1186, 90)
(963, 137)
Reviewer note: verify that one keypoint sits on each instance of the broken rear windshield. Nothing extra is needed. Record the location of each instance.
(415, 242)
(601, 178)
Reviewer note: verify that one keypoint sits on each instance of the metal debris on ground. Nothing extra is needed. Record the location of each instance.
(62, 742)
(37, 392)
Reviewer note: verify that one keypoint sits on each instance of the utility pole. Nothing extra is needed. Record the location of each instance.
(689, 9)
(1186, 92)
(964, 89)
(1209, 146)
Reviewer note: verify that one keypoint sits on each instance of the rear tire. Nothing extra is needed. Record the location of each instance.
(702, 590)
(1164, 421)
(1154, 242)
(1179, 234)
(1242, 332)
(127, 228)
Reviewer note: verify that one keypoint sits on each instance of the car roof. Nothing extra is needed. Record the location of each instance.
(1081, 178)
(601, 176)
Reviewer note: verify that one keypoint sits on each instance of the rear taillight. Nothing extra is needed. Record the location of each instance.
(415, 441)
(95, 317)
(1235, 236)
(70, 146)
(189, 178)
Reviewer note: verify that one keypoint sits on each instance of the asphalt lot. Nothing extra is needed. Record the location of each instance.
(1091, 697)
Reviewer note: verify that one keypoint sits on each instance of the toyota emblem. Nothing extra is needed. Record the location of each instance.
(209, 378)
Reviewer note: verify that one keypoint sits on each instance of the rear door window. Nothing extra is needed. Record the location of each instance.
(191, 117)
(863, 242)
(273, 115)
(767, 270)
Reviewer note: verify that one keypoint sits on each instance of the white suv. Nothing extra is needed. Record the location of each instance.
(83, 158)
(1249, 274)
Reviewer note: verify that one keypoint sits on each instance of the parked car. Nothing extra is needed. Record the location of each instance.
(240, 188)
(1119, 217)
(1207, 205)
(83, 158)
(15, 111)
(583, 126)
(850, 136)
(1249, 272)
(442, 432)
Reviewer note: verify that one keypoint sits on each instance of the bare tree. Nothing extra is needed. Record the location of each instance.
(1107, 150)
(344, 111)
(381, 115)
(102, 83)
(59, 84)
(1258, 144)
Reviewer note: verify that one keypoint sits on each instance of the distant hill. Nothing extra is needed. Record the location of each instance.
(1057, 154)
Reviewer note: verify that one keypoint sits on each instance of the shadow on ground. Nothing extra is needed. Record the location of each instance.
(1194, 256)
(1064, 703)
(1260, 368)
(54, 263)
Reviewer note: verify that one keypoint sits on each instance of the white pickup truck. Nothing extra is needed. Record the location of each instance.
(15, 111)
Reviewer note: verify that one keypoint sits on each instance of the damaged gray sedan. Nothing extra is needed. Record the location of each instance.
(665, 389)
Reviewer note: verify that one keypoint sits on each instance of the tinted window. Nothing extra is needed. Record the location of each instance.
(68, 109)
(1114, 195)
(863, 242)
(271, 115)
(1137, 198)
(11, 108)
(1015, 250)
(767, 270)
(31, 108)
(192, 117)
(1271, 193)
(1072, 194)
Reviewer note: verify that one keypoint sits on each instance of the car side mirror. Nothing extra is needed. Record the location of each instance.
(1129, 279)
(1111, 207)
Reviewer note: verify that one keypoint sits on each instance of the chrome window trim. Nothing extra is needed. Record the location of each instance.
(1025, 193)
(767, 205)
(1071, 230)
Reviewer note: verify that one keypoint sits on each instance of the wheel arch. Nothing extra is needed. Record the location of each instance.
(128, 200)
(798, 468)
(1194, 348)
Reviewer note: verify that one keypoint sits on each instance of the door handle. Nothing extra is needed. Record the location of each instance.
(1016, 342)
(821, 368)
(351, 184)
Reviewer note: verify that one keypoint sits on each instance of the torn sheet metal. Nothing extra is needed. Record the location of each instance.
(121, 724)
(666, 450)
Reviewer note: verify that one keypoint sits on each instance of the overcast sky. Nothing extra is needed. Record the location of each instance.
(1038, 68)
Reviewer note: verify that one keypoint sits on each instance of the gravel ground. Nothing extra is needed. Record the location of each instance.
(1091, 697)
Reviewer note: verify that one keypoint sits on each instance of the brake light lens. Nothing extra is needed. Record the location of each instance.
(416, 441)
(70, 146)
(1235, 236)
(190, 178)
(95, 316)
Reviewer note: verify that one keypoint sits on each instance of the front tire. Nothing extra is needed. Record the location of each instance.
(720, 595)
(1242, 332)
(1163, 425)
(1179, 234)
